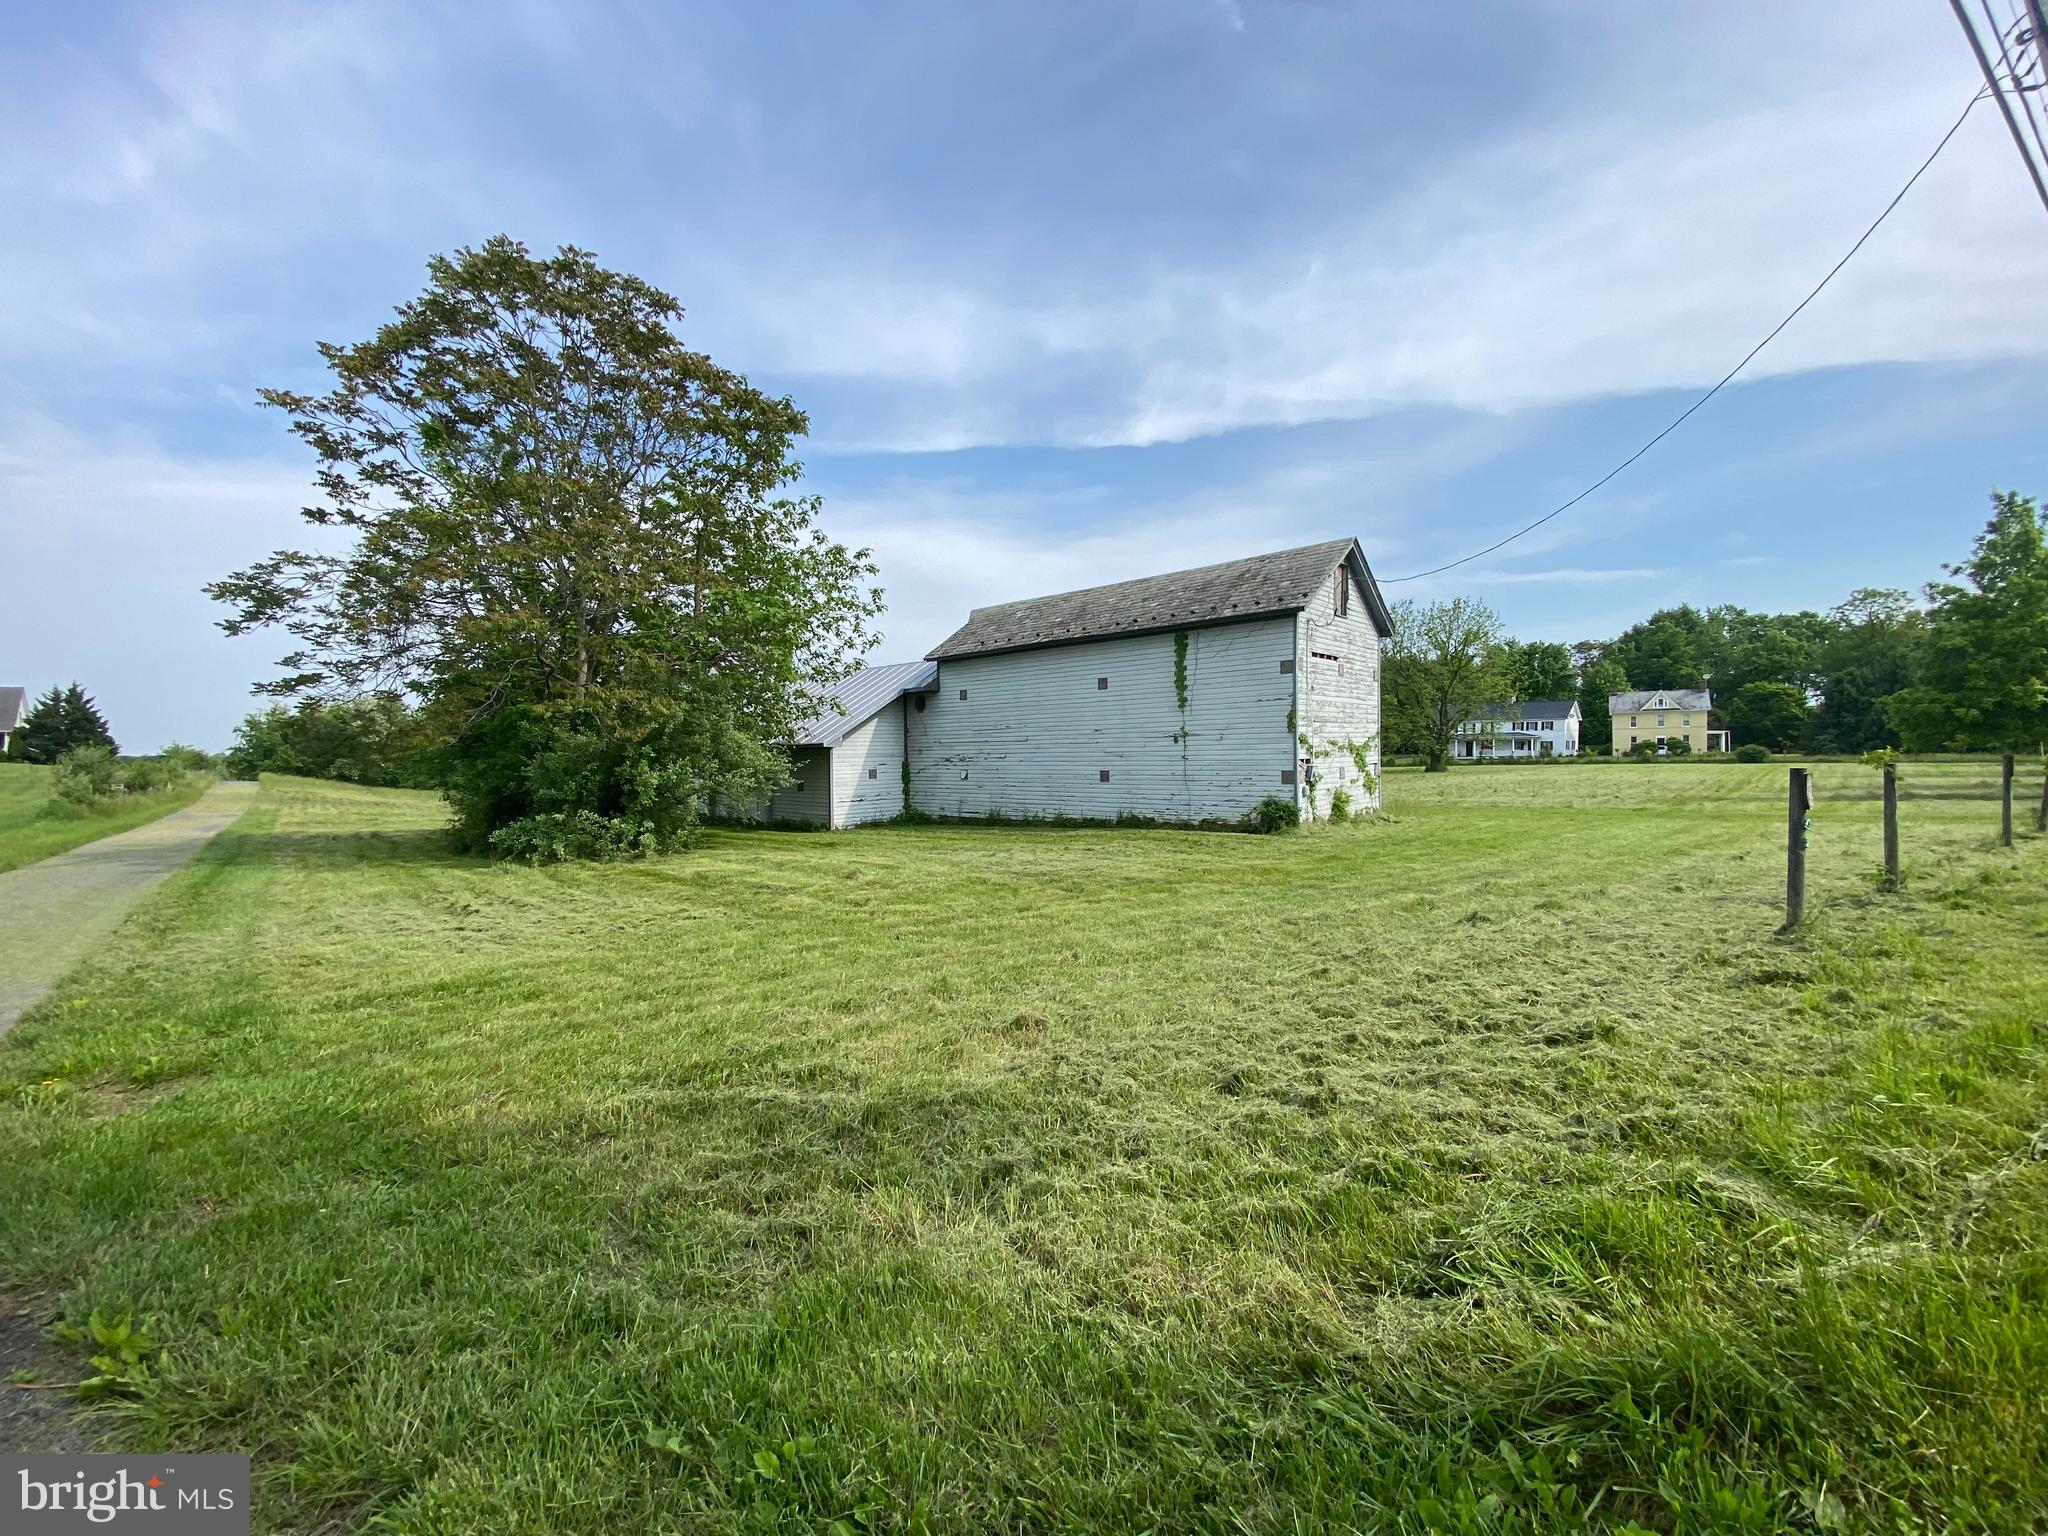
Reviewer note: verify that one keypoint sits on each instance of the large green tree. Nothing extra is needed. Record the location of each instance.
(61, 721)
(1664, 650)
(1983, 680)
(576, 540)
(1870, 652)
(1601, 678)
(1771, 714)
(372, 740)
(1541, 669)
(1445, 663)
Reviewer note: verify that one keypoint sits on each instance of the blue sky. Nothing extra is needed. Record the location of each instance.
(1071, 292)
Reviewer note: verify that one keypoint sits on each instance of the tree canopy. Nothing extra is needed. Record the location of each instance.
(1983, 675)
(1445, 663)
(1968, 671)
(575, 541)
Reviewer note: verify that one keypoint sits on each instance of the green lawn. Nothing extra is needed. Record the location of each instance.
(1488, 1167)
(27, 835)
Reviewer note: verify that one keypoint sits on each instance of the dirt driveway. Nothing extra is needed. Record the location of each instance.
(53, 913)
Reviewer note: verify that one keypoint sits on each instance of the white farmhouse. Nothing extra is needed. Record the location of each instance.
(1188, 697)
(1532, 728)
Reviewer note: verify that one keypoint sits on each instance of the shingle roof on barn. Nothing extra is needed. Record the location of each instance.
(1679, 698)
(1258, 587)
(11, 700)
(861, 697)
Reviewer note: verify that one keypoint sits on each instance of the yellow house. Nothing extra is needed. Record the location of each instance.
(1659, 714)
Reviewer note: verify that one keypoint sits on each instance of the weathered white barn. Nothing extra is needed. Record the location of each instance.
(1188, 697)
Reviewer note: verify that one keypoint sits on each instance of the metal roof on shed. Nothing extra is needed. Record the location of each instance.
(862, 696)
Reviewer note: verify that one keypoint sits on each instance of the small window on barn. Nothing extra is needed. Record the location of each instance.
(1286, 775)
(1324, 655)
(1102, 775)
(1101, 683)
(1343, 594)
(873, 773)
(963, 693)
(1287, 665)
(798, 787)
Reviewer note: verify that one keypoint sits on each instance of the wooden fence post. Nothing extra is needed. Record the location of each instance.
(2041, 812)
(1798, 797)
(2005, 805)
(1891, 827)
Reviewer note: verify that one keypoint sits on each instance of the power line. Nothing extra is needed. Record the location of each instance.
(1673, 425)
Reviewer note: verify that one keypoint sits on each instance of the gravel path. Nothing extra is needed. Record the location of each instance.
(53, 913)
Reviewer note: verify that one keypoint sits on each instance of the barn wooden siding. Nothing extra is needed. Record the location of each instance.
(867, 769)
(1037, 731)
(1340, 691)
(810, 768)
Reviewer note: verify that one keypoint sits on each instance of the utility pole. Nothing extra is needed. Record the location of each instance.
(2012, 63)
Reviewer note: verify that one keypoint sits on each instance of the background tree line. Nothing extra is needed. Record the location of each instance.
(1963, 668)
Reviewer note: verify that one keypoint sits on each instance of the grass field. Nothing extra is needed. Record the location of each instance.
(1491, 1167)
(27, 835)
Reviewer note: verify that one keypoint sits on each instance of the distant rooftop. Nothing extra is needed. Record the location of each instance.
(1258, 587)
(11, 702)
(1529, 709)
(1674, 698)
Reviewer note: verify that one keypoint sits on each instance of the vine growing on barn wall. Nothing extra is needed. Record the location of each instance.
(906, 786)
(1180, 698)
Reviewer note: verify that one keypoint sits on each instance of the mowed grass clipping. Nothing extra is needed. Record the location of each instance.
(29, 833)
(1491, 1167)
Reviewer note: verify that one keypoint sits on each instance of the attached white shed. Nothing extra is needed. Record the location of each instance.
(847, 764)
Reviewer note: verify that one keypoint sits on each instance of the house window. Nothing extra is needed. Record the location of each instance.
(1101, 683)
(1631, 718)
(1286, 775)
(1343, 594)
(1631, 742)
(873, 773)
(1685, 719)
(1102, 775)
(1660, 719)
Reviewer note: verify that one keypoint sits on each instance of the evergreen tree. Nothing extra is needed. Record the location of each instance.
(84, 725)
(63, 718)
(40, 738)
